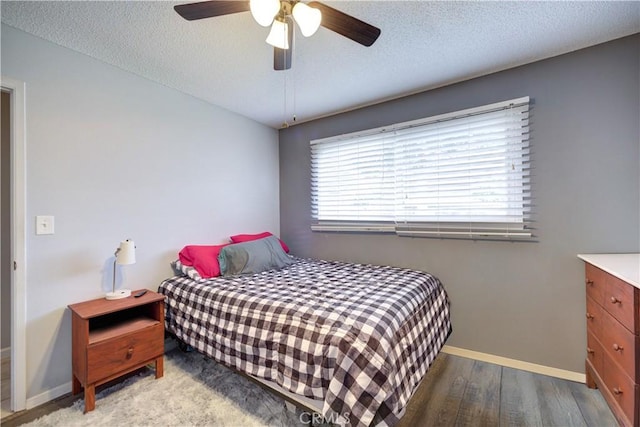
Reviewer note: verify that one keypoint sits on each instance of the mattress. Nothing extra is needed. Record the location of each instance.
(357, 337)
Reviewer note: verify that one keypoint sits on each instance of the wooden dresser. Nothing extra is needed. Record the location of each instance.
(613, 331)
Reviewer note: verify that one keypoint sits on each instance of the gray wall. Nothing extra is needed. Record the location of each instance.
(114, 156)
(5, 240)
(524, 301)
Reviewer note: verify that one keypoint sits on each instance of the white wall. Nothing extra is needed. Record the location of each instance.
(114, 156)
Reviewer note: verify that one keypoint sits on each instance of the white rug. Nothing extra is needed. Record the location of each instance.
(194, 391)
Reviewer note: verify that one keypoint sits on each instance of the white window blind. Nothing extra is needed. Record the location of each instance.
(462, 174)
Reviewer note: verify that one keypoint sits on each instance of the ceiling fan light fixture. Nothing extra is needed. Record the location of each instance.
(278, 36)
(264, 11)
(307, 18)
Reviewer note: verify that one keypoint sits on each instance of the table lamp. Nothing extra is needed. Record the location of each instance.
(125, 254)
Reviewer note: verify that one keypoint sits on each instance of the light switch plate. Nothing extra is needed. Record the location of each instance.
(44, 224)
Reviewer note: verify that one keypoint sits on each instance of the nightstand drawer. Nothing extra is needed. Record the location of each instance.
(120, 353)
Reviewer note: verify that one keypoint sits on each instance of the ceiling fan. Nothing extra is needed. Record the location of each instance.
(281, 16)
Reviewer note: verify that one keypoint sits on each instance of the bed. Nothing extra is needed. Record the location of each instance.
(355, 338)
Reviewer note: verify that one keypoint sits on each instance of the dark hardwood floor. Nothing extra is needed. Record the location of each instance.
(463, 392)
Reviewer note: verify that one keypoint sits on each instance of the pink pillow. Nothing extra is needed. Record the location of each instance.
(240, 238)
(203, 258)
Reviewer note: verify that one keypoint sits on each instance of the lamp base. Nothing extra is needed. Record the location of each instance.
(121, 293)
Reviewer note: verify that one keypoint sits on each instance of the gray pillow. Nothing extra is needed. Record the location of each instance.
(253, 257)
(179, 269)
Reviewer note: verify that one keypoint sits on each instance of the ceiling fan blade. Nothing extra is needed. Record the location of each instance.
(345, 25)
(282, 57)
(209, 9)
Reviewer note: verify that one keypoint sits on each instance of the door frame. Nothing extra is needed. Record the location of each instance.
(17, 89)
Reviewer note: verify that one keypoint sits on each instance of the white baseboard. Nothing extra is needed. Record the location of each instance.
(5, 352)
(516, 364)
(49, 395)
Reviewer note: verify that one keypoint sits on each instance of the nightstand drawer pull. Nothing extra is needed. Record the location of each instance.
(589, 316)
(129, 352)
(590, 350)
(617, 347)
(589, 282)
(615, 300)
(616, 390)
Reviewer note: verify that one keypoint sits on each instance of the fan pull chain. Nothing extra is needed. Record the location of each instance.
(285, 124)
(287, 81)
(293, 76)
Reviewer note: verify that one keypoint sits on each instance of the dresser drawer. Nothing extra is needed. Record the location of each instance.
(594, 317)
(121, 353)
(622, 388)
(595, 282)
(595, 352)
(620, 302)
(620, 344)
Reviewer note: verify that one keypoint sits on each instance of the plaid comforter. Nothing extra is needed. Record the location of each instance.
(358, 337)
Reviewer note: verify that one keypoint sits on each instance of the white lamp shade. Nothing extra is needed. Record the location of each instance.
(307, 18)
(126, 253)
(278, 36)
(264, 11)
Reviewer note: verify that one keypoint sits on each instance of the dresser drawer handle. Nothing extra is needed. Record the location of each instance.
(589, 282)
(615, 300)
(616, 347)
(129, 352)
(590, 350)
(616, 390)
(589, 316)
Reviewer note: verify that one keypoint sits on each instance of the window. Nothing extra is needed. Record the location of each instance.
(462, 174)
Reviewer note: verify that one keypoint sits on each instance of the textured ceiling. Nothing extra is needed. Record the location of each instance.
(225, 61)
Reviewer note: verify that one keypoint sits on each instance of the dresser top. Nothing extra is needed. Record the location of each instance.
(623, 266)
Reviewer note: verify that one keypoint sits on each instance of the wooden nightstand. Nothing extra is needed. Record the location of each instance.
(113, 337)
